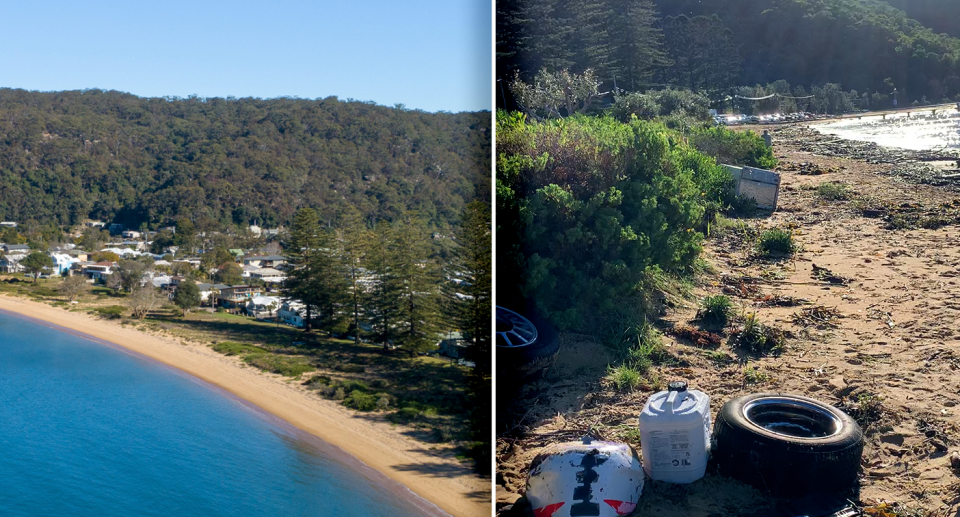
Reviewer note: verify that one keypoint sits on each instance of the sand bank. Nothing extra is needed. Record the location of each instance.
(445, 482)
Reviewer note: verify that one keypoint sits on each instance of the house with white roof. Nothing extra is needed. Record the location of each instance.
(10, 263)
(267, 274)
(263, 307)
(62, 263)
(292, 313)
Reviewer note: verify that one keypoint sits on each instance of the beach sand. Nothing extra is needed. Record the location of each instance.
(445, 482)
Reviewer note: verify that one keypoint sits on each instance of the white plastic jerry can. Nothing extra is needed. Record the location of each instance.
(675, 434)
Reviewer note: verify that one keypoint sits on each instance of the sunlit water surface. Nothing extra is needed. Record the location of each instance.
(920, 131)
(87, 429)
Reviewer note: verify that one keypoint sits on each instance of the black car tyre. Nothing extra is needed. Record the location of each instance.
(526, 345)
(787, 445)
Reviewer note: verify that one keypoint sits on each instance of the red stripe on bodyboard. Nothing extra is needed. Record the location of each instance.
(547, 511)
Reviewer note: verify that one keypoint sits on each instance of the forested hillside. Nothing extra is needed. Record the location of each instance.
(107, 155)
(712, 45)
(942, 16)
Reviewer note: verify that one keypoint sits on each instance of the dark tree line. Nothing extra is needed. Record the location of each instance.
(713, 45)
(67, 156)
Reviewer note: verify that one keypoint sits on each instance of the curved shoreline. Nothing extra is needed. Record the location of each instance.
(385, 454)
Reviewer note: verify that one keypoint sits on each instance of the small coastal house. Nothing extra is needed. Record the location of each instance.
(291, 313)
(130, 234)
(265, 261)
(11, 249)
(62, 263)
(208, 292)
(98, 271)
(80, 255)
(115, 228)
(8, 224)
(267, 274)
(263, 307)
(237, 296)
(11, 263)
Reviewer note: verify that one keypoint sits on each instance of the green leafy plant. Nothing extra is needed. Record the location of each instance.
(754, 375)
(777, 241)
(833, 191)
(760, 339)
(716, 309)
(625, 377)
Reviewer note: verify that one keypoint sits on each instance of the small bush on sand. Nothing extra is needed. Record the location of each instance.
(625, 377)
(760, 339)
(777, 241)
(833, 191)
(112, 311)
(280, 364)
(716, 309)
(361, 401)
(754, 375)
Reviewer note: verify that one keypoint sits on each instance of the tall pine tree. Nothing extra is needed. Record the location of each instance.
(315, 277)
(414, 286)
(353, 241)
(380, 310)
(301, 282)
(469, 281)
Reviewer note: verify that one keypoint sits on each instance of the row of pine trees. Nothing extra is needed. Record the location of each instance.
(386, 283)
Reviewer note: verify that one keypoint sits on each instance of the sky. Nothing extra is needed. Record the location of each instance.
(433, 55)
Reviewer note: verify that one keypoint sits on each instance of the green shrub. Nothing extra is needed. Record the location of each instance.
(587, 205)
(232, 348)
(625, 377)
(670, 103)
(777, 241)
(352, 385)
(733, 147)
(760, 339)
(317, 381)
(754, 375)
(280, 364)
(716, 309)
(112, 311)
(833, 191)
(361, 401)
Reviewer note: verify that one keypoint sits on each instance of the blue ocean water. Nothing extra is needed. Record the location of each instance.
(87, 429)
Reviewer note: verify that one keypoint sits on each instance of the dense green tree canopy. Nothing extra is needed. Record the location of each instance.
(67, 156)
(710, 45)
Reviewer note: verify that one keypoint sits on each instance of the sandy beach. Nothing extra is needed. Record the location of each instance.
(445, 482)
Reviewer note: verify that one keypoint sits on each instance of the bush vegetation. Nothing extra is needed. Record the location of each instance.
(112, 311)
(716, 309)
(232, 348)
(833, 191)
(661, 103)
(733, 147)
(760, 339)
(589, 205)
(288, 366)
(777, 241)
